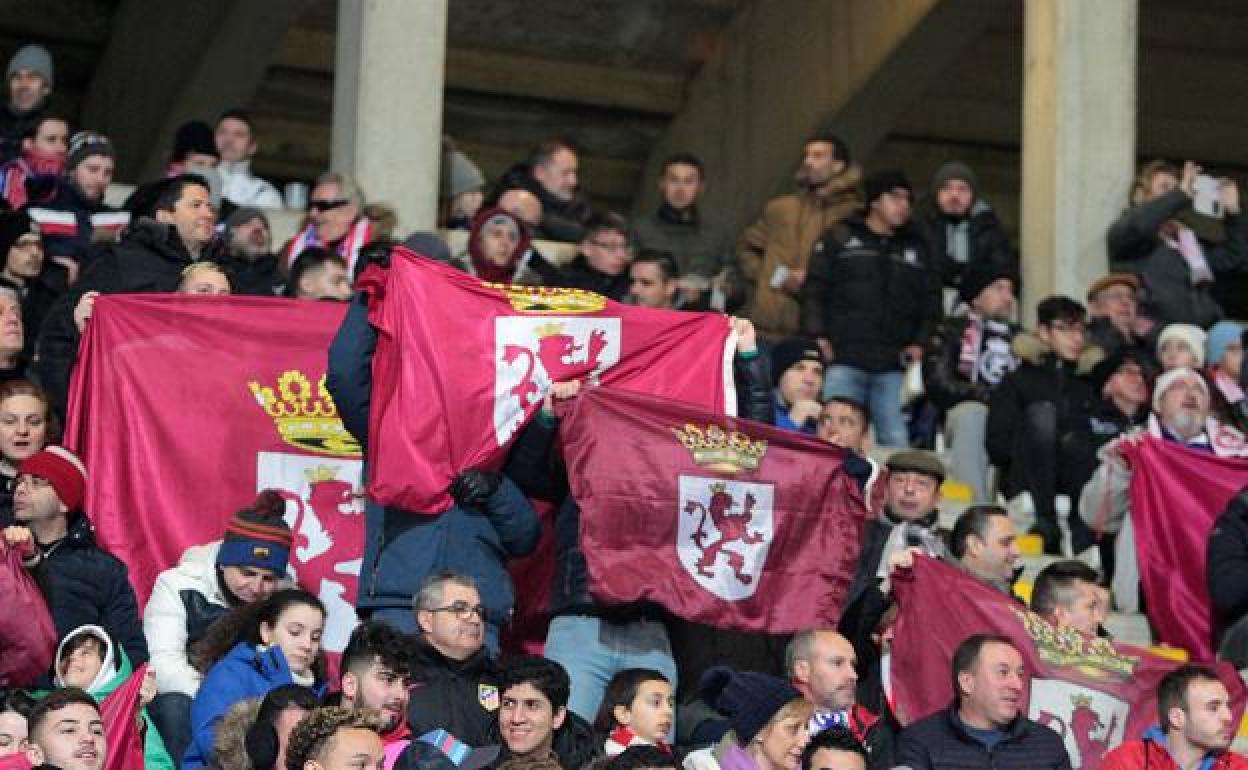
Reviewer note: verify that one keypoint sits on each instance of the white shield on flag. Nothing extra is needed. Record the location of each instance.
(1090, 721)
(531, 352)
(725, 530)
(325, 513)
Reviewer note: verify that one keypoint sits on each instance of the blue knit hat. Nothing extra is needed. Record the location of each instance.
(750, 700)
(258, 536)
(1221, 334)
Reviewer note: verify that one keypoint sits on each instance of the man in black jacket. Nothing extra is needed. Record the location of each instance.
(872, 298)
(1033, 418)
(83, 584)
(964, 360)
(249, 259)
(984, 728)
(1226, 570)
(601, 263)
(961, 226)
(551, 174)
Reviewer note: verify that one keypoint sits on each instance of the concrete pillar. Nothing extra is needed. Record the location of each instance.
(1079, 119)
(388, 78)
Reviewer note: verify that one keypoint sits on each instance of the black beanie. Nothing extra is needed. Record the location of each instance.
(13, 225)
(194, 136)
(979, 274)
(884, 181)
(750, 700)
(788, 352)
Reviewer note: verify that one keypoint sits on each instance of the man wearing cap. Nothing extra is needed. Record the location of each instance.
(1114, 320)
(247, 565)
(84, 585)
(38, 281)
(962, 227)
(235, 139)
(1182, 415)
(249, 257)
(31, 76)
(965, 359)
(797, 371)
(872, 298)
(774, 252)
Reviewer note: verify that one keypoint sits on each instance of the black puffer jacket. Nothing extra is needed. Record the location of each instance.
(986, 239)
(946, 386)
(1226, 566)
(85, 585)
(870, 295)
(561, 220)
(255, 277)
(579, 274)
(460, 697)
(941, 742)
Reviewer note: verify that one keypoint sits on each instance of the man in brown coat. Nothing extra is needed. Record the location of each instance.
(774, 251)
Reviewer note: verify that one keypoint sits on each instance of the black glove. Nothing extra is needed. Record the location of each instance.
(474, 487)
(377, 252)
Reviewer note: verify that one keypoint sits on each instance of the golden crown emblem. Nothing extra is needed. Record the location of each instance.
(720, 450)
(541, 300)
(305, 418)
(1081, 701)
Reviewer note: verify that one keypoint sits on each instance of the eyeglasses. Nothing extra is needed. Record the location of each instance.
(328, 205)
(462, 610)
(1068, 326)
(612, 245)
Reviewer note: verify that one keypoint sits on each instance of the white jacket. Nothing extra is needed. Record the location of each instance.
(242, 188)
(164, 619)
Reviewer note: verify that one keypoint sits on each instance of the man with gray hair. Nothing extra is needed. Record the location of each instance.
(454, 681)
(336, 221)
(31, 75)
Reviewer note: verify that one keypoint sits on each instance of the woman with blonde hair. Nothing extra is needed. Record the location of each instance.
(768, 719)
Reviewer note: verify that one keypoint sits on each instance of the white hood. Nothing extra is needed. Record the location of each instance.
(109, 668)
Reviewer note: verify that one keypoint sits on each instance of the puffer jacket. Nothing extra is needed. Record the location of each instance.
(986, 239)
(941, 742)
(871, 295)
(785, 234)
(1168, 294)
(459, 696)
(185, 601)
(945, 384)
(230, 750)
(561, 220)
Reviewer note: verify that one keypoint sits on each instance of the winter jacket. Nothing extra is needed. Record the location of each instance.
(986, 239)
(699, 248)
(87, 586)
(230, 750)
(461, 697)
(1169, 295)
(945, 383)
(242, 188)
(1103, 334)
(1226, 566)
(69, 221)
(185, 601)
(1151, 753)
(13, 126)
(114, 672)
(39, 295)
(575, 744)
(785, 235)
(579, 274)
(254, 277)
(870, 295)
(561, 220)
(245, 672)
(941, 742)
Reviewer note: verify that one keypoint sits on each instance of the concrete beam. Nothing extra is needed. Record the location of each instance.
(789, 67)
(186, 61)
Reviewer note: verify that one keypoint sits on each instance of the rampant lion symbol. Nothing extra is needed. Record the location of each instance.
(733, 527)
(1083, 722)
(559, 356)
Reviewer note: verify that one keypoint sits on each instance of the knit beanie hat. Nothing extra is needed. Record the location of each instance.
(1192, 336)
(13, 225)
(1171, 377)
(1221, 334)
(884, 181)
(35, 58)
(84, 144)
(242, 215)
(258, 536)
(460, 175)
(1103, 370)
(748, 699)
(194, 136)
(63, 470)
(980, 274)
(788, 352)
(954, 169)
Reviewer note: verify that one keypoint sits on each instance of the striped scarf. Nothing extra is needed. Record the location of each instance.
(349, 245)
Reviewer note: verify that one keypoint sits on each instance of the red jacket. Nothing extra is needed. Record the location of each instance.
(1151, 755)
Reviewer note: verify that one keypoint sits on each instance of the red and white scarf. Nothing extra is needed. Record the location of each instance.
(349, 246)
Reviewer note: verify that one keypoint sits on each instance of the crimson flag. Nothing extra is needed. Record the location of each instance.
(1093, 692)
(460, 365)
(721, 520)
(120, 712)
(1176, 496)
(27, 634)
(183, 407)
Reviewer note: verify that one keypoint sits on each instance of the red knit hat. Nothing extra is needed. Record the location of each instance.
(63, 470)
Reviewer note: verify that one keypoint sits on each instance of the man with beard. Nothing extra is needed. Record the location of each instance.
(773, 253)
(30, 74)
(1182, 415)
(961, 226)
(551, 174)
(244, 567)
(1195, 730)
(249, 257)
(375, 676)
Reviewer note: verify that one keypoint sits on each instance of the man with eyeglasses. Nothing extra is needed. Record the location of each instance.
(454, 681)
(335, 221)
(601, 265)
(1114, 320)
(84, 585)
(1034, 415)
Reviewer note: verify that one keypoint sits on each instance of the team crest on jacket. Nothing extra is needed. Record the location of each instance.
(725, 530)
(1089, 721)
(324, 513)
(532, 352)
(487, 696)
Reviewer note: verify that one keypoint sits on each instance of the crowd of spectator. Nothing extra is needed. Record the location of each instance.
(881, 324)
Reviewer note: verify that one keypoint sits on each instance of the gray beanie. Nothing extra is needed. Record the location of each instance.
(460, 175)
(35, 58)
(955, 169)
